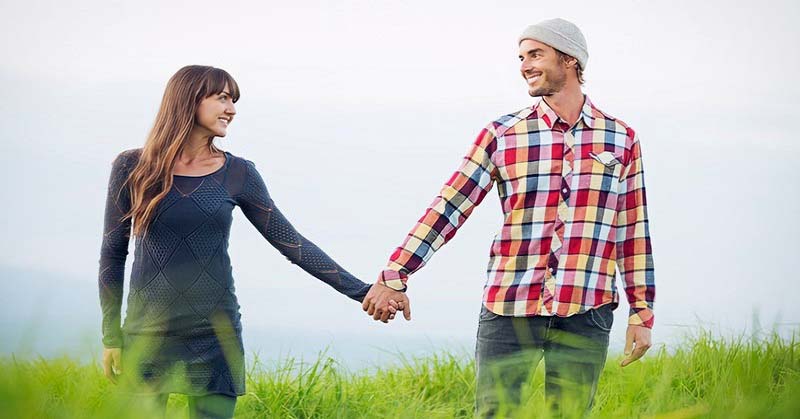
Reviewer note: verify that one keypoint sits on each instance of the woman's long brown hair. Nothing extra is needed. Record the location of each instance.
(151, 179)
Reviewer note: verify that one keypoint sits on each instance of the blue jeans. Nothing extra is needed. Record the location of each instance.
(509, 349)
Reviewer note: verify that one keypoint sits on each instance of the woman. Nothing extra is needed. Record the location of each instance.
(182, 329)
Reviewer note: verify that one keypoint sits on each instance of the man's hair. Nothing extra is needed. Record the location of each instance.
(566, 57)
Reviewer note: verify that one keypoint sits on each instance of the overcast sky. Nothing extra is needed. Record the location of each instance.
(356, 112)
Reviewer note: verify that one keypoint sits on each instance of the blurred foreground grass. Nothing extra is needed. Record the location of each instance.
(705, 377)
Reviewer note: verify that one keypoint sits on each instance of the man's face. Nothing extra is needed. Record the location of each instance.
(541, 68)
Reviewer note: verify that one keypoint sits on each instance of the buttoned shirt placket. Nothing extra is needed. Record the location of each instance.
(567, 138)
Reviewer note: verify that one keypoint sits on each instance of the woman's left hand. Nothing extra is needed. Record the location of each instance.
(112, 363)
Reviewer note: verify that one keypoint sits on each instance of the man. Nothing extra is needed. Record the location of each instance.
(571, 186)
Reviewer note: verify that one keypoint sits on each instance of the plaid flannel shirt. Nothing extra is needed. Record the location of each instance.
(575, 211)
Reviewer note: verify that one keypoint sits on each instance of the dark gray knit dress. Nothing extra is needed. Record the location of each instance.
(182, 330)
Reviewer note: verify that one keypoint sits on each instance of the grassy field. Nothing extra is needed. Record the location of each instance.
(706, 377)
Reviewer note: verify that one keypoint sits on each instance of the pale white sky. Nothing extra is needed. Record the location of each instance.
(356, 112)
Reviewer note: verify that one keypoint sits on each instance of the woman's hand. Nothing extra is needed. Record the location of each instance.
(112, 363)
(382, 303)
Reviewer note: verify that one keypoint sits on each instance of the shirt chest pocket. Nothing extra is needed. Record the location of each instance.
(600, 172)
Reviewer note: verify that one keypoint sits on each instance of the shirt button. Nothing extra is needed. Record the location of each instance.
(551, 270)
(564, 190)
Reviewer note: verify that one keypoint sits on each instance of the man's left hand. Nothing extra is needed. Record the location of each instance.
(637, 342)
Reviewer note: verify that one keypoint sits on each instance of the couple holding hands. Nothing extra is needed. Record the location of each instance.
(570, 181)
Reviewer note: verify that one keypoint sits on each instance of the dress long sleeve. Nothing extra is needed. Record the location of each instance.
(258, 207)
(114, 249)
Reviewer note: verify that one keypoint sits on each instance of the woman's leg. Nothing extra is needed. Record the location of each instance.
(211, 406)
(148, 404)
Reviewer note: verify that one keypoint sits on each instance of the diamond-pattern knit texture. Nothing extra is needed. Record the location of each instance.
(183, 316)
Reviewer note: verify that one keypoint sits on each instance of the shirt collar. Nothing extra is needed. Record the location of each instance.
(544, 112)
(588, 113)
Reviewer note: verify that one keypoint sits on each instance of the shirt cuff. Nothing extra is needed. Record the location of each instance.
(113, 340)
(394, 280)
(641, 317)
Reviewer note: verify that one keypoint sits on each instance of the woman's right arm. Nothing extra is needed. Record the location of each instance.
(258, 207)
(114, 250)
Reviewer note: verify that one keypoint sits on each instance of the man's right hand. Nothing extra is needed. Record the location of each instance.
(112, 363)
(378, 302)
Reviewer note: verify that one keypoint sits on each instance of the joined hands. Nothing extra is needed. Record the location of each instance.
(383, 303)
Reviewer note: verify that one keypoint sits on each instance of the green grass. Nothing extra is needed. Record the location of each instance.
(705, 377)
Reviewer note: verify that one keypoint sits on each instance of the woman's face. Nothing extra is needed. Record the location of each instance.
(215, 113)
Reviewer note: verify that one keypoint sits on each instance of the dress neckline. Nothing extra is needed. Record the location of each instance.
(224, 164)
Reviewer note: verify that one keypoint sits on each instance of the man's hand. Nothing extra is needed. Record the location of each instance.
(112, 363)
(379, 299)
(637, 342)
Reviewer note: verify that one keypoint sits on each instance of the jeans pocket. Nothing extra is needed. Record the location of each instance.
(602, 318)
(487, 315)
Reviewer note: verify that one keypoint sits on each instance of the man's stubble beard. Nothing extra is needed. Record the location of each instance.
(552, 87)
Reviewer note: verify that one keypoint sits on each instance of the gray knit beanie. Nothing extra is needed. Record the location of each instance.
(561, 35)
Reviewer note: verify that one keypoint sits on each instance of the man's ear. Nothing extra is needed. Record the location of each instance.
(571, 62)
